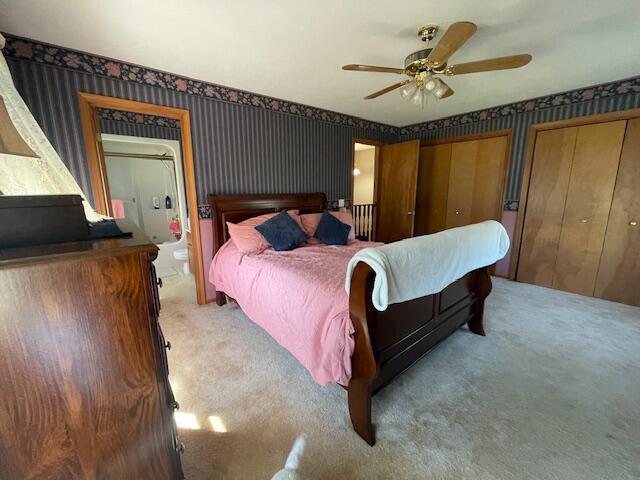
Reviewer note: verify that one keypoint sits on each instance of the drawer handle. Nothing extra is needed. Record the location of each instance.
(159, 282)
(583, 220)
(633, 223)
(457, 212)
(167, 345)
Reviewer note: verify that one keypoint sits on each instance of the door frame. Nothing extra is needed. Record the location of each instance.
(374, 143)
(378, 145)
(528, 165)
(89, 104)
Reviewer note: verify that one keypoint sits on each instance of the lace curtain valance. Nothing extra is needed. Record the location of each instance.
(32, 176)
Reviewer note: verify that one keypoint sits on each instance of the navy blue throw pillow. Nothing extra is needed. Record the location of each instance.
(282, 232)
(331, 230)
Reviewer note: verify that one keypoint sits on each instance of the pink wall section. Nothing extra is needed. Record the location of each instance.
(206, 241)
(509, 222)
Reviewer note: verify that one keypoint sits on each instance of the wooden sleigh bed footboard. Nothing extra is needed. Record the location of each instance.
(386, 343)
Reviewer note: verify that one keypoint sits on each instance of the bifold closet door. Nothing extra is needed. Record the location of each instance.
(397, 181)
(433, 189)
(487, 200)
(461, 182)
(476, 181)
(548, 184)
(593, 177)
(619, 272)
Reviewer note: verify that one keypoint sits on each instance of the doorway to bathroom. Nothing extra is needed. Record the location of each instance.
(141, 165)
(146, 186)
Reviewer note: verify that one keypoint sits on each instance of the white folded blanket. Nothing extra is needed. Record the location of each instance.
(420, 266)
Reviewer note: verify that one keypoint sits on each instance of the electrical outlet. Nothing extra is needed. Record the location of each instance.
(341, 203)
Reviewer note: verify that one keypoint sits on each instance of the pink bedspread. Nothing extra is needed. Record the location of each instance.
(298, 297)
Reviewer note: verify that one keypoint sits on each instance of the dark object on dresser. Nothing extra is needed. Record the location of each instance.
(40, 219)
(83, 365)
(386, 343)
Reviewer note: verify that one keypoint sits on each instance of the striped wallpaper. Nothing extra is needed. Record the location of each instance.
(520, 123)
(237, 148)
(248, 143)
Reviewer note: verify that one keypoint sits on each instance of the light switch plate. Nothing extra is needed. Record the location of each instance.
(341, 203)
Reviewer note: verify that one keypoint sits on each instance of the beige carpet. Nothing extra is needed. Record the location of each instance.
(552, 392)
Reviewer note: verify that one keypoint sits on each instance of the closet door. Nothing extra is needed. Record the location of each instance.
(548, 185)
(433, 189)
(487, 200)
(593, 176)
(461, 183)
(397, 190)
(619, 273)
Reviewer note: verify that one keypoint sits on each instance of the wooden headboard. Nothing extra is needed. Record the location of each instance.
(236, 208)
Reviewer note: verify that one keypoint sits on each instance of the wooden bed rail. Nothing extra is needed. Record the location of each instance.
(364, 368)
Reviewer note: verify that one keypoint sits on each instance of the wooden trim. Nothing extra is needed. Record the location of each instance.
(468, 137)
(589, 119)
(366, 141)
(89, 103)
(528, 165)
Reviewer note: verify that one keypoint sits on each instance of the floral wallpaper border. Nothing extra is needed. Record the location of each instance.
(619, 87)
(22, 48)
(138, 118)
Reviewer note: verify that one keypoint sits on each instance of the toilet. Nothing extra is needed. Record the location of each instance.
(182, 254)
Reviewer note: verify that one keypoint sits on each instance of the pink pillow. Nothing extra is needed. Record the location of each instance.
(310, 223)
(247, 239)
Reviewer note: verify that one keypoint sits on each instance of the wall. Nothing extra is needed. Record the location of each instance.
(519, 116)
(249, 143)
(363, 184)
(242, 142)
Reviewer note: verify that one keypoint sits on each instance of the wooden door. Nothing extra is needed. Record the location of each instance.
(487, 200)
(433, 189)
(619, 273)
(397, 190)
(461, 182)
(593, 176)
(548, 185)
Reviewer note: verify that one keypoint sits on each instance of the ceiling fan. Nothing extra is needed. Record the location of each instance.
(423, 65)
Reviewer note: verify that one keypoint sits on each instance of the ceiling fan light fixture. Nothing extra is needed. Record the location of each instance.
(430, 83)
(408, 89)
(419, 97)
(440, 89)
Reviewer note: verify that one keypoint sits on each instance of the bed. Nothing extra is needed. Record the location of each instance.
(338, 337)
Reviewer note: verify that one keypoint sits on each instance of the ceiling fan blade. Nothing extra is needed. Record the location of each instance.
(386, 90)
(451, 41)
(490, 64)
(372, 68)
(449, 91)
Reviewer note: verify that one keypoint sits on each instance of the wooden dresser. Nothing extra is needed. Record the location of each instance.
(83, 366)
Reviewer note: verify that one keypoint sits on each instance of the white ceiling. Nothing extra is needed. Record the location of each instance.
(293, 49)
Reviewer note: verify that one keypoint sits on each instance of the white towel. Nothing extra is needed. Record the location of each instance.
(420, 266)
